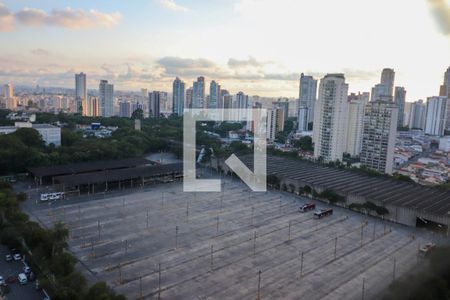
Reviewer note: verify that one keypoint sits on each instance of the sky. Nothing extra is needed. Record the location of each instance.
(257, 46)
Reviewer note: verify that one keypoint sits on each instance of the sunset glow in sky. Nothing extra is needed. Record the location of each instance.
(258, 46)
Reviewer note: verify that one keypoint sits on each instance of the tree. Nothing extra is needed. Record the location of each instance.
(289, 125)
(59, 238)
(63, 264)
(304, 143)
(332, 196)
(273, 180)
(291, 188)
(30, 137)
(138, 114)
(307, 189)
(100, 291)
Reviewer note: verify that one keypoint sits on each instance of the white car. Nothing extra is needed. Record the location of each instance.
(22, 278)
(2, 281)
(44, 197)
(26, 270)
(8, 257)
(17, 256)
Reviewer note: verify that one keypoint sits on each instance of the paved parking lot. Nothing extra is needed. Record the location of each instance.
(213, 245)
(17, 291)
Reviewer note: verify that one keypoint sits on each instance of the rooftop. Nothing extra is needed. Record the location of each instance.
(389, 191)
(85, 167)
(119, 174)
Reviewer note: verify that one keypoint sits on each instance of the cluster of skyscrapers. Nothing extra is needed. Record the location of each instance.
(195, 97)
(365, 125)
(361, 125)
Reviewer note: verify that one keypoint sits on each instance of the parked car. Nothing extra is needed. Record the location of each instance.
(26, 270)
(8, 257)
(17, 256)
(22, 278)
(11, 279)
(2, 280)
(427, 249)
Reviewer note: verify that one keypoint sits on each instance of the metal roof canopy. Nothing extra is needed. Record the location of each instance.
(389, 191)
(119, 174)
(85, 167)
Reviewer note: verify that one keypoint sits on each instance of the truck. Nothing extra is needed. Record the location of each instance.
(323, 213)
(307, 207)
(426, 249)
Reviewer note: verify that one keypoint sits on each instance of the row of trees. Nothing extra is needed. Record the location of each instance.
(25, 147)
(369, 207)
(328, 194)
(47, 252)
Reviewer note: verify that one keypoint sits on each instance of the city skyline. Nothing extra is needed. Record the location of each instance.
(171, 36)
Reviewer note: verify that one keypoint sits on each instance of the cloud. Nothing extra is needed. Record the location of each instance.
(65, 18)
(441, 12)
(250, 62)
(6, 19)
(40, 52)
(360, 75)
(171, 5)
(177, 66)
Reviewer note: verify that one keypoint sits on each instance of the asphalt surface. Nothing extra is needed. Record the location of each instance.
(17, 291)
(205, 243)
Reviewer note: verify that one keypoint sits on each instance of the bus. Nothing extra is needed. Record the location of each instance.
(307, 207)
(323, 213)
(52, 196)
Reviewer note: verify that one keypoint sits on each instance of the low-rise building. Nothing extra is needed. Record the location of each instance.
(50, 134)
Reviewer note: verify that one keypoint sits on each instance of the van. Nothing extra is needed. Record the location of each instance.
(22, 278)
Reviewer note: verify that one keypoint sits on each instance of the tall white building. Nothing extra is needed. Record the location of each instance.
(178, 94)
(155, 103)
(306, 101)
(357, 103)
(445, 92)
(384, 90)
(125, 109)
(214, 95)
(331, 118)
(144, 97)
(81, 93)
(8, 91)
(436, 116)
(189, 97)
(379, 133)
(417, 115)
(445, 87)
(106, 92)
(198, 93)
(400, 100)
(283, 103)
(387, 79)
(241, 100)
(271, 124)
